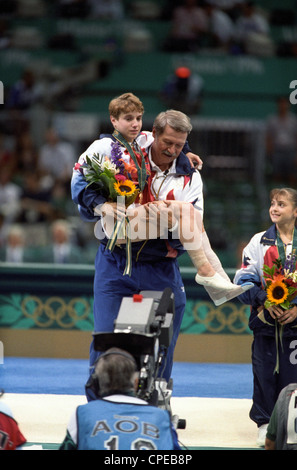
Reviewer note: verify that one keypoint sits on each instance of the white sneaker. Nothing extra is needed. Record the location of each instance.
(262, 430)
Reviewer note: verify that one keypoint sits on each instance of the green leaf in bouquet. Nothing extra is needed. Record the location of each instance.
(98, 186)
(286, 304)
(96, 168)
(269, 271)
(112, 191)
(278, 263)
(106, 179)
(88, 161)
(109, 173)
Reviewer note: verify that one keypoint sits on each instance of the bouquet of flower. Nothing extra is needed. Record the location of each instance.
(116, 180)
(281, 282)
(109, 179)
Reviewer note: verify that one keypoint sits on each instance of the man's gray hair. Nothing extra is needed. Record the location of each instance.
(115, 371)
(179, 121)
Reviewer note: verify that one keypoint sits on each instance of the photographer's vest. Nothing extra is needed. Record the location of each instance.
(105, 425)
(286, 436)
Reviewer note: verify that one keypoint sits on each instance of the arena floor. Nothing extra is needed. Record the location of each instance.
(211, 423)
(214, 399)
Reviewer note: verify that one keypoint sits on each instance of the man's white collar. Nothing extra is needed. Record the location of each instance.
(155, 167)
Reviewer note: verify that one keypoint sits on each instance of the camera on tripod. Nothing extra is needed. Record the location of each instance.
(144, 328)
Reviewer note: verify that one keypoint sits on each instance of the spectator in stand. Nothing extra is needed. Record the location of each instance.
(189, 25)
(231, 7)
(57, 159)
(220, 29)
(249, 26)
(15, 249)
(9, 195)
(183, 91)
(281, 143)
(22, 96)
(107, 9)
(26, 154)
(62, 250)
(35, 201)
(25, 92)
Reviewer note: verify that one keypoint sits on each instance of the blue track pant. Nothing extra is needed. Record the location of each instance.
(267, 384)
(110, 286)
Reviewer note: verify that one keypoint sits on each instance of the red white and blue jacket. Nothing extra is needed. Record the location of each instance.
(182, 182)
(262, 249)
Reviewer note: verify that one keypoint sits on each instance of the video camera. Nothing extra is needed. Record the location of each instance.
(144, 328)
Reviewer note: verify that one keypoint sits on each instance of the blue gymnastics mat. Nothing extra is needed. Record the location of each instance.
(68, 376)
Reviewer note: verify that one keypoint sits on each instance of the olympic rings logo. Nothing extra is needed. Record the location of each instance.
(55, 311)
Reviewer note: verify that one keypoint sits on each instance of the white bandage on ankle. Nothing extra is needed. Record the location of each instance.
(212, 257)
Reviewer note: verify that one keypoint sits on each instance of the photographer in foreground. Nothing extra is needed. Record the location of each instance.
(281, 432)
(118, 420)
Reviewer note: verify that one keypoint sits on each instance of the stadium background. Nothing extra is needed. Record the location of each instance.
(82, 63)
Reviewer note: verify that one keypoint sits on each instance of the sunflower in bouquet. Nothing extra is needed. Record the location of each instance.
(281, 282)
(109, 179)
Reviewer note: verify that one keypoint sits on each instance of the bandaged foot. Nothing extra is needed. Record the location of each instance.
(221, 290)
(216, 281)
(220, 296)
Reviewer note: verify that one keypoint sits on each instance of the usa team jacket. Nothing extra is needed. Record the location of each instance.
(182, 183)
(262, 249)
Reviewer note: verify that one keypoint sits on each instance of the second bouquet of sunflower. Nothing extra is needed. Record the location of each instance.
(281, 283)
(109, 179)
